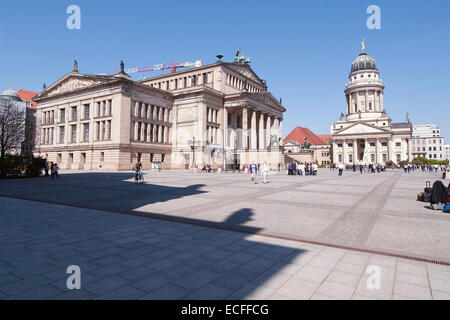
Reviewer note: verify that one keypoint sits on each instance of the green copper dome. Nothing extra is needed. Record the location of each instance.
(364, 62)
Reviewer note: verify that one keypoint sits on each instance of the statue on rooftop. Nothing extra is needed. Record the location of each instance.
(240, 58)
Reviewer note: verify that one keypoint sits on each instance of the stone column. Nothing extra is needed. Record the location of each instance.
(244, 128)
(347, 103)
(155, 136)
(280, 129)
(366, 107)
(391, 150)
(410, 158)
(225, 128)
(273, 130)
(261, 132)
(377, 101)
(136, 133)
(378, 151)
(381, 101)
(350, 102)
(335, 153)
(253, 138)
(268, 126)
(355, 151)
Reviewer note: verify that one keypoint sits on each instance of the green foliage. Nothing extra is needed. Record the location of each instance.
(403, 163)
(425, 161)
(389, 164)
(26, 166)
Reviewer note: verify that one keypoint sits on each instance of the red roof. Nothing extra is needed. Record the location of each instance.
(27, 96)
(325, 137)
(299, 133)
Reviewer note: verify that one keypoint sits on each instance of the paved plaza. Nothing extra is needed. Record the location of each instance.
(227, 239)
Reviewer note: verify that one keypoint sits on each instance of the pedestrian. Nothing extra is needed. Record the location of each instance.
(314, 168)
(341, 168)
(46, 168)
(253, 170)
(138, 172)
(54, 170)
(265, 171)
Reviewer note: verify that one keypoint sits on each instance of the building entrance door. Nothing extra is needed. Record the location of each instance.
(70, 161)
(237, 161)
(187, 161)
(82, 160)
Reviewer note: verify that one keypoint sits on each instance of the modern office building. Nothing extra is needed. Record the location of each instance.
(427, 142)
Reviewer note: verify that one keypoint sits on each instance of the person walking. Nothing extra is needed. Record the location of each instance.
(341, 168)
(265, 171)
(253, 170)
(54, 170)
(314, 169)
(46, 168)
(138, 172)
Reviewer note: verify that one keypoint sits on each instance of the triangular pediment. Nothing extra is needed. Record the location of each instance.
(246, 71)
(361, 128)
(74, 82)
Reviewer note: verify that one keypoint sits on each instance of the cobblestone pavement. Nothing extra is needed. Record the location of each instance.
(122, 256)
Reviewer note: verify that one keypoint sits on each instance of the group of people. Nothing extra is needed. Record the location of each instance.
(253, 170)
(53, 168)
(302, 169)
(363, 168)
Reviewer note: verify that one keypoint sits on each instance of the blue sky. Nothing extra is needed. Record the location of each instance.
(303, 49)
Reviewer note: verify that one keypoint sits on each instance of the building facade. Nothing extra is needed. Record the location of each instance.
(365, 134)
(302, 145)
(220, 114)
(447, 151)
(427, 142)
(22, 101)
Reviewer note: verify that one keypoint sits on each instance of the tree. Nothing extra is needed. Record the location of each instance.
(12, 127)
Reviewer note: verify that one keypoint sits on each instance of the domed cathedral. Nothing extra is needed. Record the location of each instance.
(365, 134)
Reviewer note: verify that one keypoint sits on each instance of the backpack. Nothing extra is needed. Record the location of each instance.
(447, 208)
(420, 197)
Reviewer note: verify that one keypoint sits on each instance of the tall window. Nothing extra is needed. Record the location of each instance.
(109, 107)
(86, 111)
(73, 133)
(61, 134)
(62, 115)
(109, 129)
(103, 129)
(138, 138)
(86, 132)
(74, 114)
